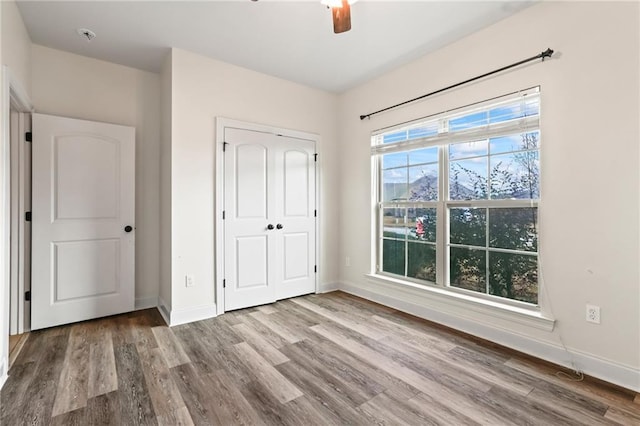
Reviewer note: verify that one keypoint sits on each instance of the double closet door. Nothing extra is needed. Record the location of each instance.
(269, 218)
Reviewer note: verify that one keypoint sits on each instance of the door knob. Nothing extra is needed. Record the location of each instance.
(269, 227)
(279, 226)
(128, 228)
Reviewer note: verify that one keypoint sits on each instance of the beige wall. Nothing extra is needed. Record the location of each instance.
(79, 87)
(589, 209)
(16, 45)
(204, 89)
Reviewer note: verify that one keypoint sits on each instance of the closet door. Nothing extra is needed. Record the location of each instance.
(269, 226)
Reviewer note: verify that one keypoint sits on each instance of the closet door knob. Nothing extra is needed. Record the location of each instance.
(128, 228)
(279, 226)
(269, 227)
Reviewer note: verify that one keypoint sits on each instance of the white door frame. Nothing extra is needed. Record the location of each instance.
(221, 124)
(13, 95)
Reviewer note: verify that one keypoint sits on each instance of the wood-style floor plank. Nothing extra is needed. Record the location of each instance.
(281, 388)
(102, 366)
(330, 359)
(173, 352)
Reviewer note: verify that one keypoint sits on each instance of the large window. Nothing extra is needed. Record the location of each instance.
(458, 199)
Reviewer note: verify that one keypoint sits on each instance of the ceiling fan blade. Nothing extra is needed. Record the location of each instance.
(341, 18)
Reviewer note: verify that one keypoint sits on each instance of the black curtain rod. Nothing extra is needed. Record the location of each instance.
(546, 54)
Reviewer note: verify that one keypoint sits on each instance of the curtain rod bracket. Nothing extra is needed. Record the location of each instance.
(543, 55)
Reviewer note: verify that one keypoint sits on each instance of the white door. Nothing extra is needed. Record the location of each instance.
(82, 220)
(269, 218)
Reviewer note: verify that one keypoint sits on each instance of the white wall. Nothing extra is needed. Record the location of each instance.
(76, 86)
(204, 89)
(589, 216)
(16, 44)
(14, 51)
(165, 188)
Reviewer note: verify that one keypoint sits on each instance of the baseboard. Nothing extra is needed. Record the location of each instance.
(3, 373)
(146, 303)
(606, 370)
(184, 316)
(164, 310)
(328, 287)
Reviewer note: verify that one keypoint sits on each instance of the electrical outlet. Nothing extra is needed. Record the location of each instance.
(347, 261)
(189, 281)
(593, 314)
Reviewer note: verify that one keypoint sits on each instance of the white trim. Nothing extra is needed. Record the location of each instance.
(3, 374)
(146, 303)
(13, 94)
(221, 124)
(165, 310)
(328, 287)
(449, 302)
(184, 316)
(424, 307)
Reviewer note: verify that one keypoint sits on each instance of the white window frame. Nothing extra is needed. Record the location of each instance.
(442, 140)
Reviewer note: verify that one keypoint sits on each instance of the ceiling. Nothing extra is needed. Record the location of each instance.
(293, 40)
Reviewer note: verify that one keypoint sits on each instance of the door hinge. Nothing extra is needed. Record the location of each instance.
(223, 214)
(224, 283)
(27, 216)
(315, 269)
(28, 137)
(315, 213)
(27, 296)
(224, 146)
(315, 157)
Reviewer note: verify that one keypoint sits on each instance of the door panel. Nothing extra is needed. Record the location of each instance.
(296, 256)
(296, 183)
(86, 177)
(83, 197)
(249, 181)
(97, 276)
(252, 266)
(269, 180)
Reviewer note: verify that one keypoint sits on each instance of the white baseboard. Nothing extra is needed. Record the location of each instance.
(3, 373)
(165, 310)
(146, 303)
(184, 316)
(606, 370)
(328, 287)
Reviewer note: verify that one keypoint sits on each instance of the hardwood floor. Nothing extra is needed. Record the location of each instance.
(315, 360)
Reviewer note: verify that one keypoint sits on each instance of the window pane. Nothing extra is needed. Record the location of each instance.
(468, 179)
(468, 269)
(394, 185)
(422, 224)
(514, 228)
(396, 159)
(511, 143)
(421, 261)
(423, 183)
(514, 276)
(421, 156)
(504, 113)
(429, 129)
(468, 226)
(467, 149)
(515, 176)
(468, 121)
(395, 137)
(393, 256)
(394, 225)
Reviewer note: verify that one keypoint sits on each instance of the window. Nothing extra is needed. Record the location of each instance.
(457, 199)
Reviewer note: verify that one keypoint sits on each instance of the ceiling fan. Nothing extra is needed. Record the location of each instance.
(341, 11)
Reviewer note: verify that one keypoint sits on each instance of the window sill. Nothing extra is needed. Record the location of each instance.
(527, 317)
